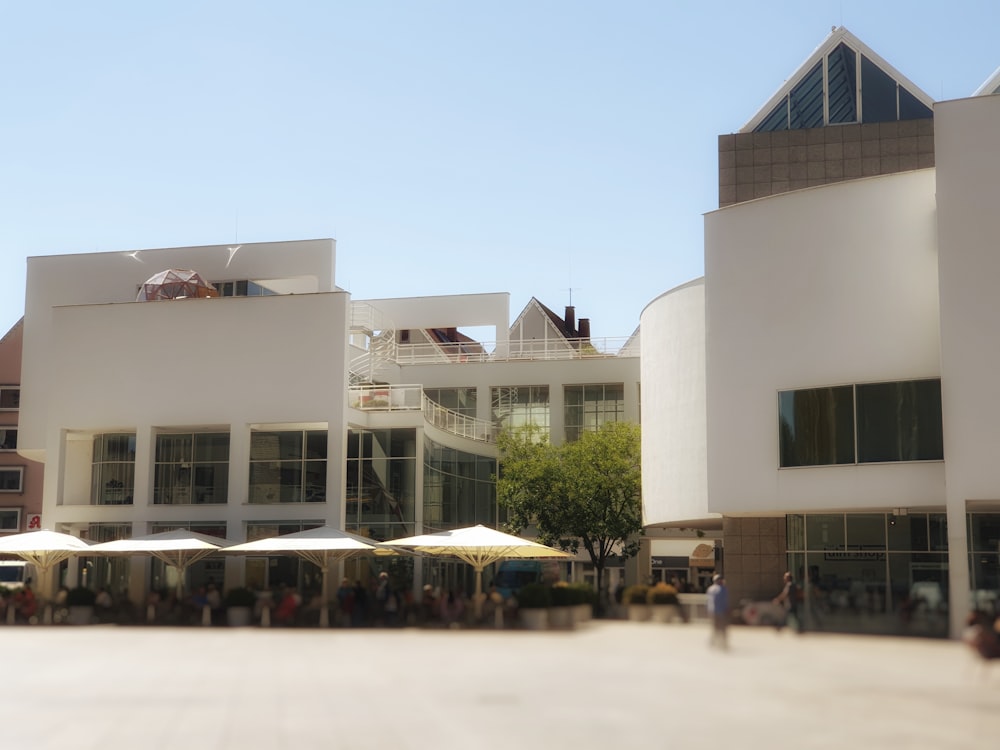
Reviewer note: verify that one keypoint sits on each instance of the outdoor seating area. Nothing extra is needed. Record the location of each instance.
(378, 602)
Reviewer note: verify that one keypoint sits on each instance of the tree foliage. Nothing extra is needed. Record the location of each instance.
(585, 493)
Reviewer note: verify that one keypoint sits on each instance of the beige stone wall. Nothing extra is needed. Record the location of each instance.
(756, 165)
(754, 557)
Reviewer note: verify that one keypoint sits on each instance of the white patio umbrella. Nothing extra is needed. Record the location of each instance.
(321, 546)
(479, 546)
(179, 548)
(44, 549)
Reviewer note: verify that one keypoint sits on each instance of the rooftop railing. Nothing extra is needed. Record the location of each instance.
(536, 349)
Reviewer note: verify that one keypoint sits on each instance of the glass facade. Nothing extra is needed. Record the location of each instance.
(191, 468)
(381, 482)
(589, 407)
(872, 572)
(984, 561)
(458, 489)
(288, 466)
(113, 469)
(206, 572)
(519, 406)
(111, 573)
(264, 573)
(866, 423)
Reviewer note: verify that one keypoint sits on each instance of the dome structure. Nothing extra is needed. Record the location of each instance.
(175, 283)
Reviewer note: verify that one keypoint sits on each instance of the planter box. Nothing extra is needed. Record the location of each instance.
(637, 612)
(561, 618)
(664, 612)
(582, 613)
(80, 615)
(238, 617)
(534, 619)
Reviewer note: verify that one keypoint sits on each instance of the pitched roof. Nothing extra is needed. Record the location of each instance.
(990, 86)
(819, 94)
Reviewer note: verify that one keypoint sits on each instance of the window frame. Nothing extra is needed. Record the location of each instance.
(17, 525)
(8, 429)
(19, 470)
(856, 424)
(17, 399)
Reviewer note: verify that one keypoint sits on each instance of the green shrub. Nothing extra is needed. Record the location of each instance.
(80, 597)
(240, 597)
(635, 594)
(662, 593)
(562, 595)
(534, 596)
(583, 593)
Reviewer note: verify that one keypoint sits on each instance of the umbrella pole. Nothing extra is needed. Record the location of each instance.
(477, 601)
(324, 610)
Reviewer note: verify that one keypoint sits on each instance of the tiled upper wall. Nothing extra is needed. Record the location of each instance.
(756, 165)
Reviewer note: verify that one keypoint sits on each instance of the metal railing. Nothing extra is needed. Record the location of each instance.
(387, 398)
(551, 349)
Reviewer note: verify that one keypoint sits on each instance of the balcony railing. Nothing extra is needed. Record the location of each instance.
(536, 349)
(384, 398)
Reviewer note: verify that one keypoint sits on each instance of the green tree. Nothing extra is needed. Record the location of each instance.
(585, 493)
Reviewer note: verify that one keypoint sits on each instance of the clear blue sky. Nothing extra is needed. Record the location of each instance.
(449, 147)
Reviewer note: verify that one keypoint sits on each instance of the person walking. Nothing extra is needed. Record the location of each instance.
(718, 609)
(789, 598)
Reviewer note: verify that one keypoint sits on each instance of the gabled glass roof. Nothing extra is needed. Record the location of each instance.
(843, 81)
(990, 86)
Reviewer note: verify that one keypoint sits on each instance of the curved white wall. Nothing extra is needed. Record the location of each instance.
(674, 464)
(826, 286)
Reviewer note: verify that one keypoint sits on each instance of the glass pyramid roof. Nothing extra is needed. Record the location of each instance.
(843, 81)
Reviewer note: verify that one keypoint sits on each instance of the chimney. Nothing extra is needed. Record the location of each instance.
(585, 329)
(570, 321)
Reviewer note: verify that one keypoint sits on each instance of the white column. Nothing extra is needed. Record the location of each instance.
(958, 568)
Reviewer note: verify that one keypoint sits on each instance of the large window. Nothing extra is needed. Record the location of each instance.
(10, 398)
(265, 573)
(10, 519)
(872, 572)
(816, 426)
(8, 439)
(107, 572)
(381, 481)
(288, 466)
(590, 407)
(519, 406)
(984, 560)
(113, 470)
(206, 572)
(866, 423)
(899, 421)
(191, 468)
(12, 479)
(459, 489)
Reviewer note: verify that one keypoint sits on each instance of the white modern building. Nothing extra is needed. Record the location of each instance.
(826, 391)
(283, 404)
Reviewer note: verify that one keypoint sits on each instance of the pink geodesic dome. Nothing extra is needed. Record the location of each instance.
(175, 283)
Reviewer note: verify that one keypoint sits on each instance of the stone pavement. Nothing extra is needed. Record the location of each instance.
(611, 684)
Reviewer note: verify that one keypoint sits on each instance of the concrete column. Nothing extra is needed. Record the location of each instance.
(958, 569)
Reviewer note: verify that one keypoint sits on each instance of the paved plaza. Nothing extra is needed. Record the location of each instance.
(611, 684)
